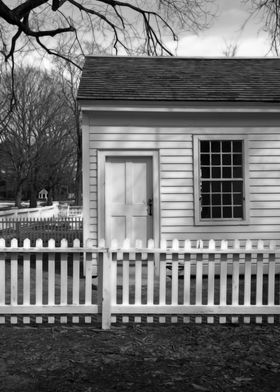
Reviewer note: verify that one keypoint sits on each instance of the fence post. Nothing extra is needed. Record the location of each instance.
(106, 286)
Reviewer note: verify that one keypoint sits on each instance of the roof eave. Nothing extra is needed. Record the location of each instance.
(178, 106)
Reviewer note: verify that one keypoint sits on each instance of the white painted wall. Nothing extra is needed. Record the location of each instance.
(172, 136)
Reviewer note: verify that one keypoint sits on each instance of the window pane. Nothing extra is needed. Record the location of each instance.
(237, 172)
(238, 212)
(205, 159)
(237, 159)
(216, 159)
(205, 186)
(227, 199)
(238, 186)
(237, 198)
(204, 146)
(216, 172)
(226, 145)
(215, 146)
(205, 172)
(205, 213)
(216, 186)
(226, 172)
(226, 186)
(226, 159)
(237, 146)
(216, 199)
(227, 212)
(205, 200)
(216, 212)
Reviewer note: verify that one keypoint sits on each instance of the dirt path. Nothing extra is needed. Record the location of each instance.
(140, 358)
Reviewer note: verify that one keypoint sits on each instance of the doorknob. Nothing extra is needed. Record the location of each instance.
(150, 207)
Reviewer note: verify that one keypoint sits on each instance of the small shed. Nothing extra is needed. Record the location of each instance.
(181, 148)
(43, 194)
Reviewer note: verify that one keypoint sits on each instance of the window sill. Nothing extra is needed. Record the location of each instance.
(213, 222)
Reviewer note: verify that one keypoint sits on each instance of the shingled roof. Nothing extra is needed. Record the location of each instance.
(180, 79)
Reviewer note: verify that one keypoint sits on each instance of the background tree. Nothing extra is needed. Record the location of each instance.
(68, 76)
(37, 140)
(269, 13)
(230, 49)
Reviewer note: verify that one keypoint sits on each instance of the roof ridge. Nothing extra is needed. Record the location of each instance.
(184, 57)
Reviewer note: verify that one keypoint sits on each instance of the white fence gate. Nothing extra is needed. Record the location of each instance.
(200, 283)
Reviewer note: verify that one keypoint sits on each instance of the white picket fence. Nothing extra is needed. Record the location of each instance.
(46, 281)
(27, 213)
(197, 283)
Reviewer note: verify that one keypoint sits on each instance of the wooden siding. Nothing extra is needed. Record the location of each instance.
(176, 177)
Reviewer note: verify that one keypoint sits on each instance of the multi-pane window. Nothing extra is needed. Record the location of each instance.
(221, 179)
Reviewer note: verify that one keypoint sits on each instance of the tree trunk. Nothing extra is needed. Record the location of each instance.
(50, 197)
(33, 197)
(18, 196)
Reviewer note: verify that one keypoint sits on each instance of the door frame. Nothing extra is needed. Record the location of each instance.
(101, 160)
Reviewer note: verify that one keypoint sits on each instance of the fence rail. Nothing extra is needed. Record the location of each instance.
(141, 284)
(43, 228)
(38, 212)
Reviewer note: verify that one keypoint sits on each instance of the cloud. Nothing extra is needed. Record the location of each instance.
(214, 45)
(227, 28)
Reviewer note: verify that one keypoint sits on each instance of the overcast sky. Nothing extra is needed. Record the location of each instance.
(226, 28)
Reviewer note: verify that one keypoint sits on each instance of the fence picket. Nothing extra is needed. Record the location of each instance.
(113, 278)
(2, 279)
(271, 280)
(211, 278)
(63, 274)
(162, 278)
(39, 278)
(247, 279)
(223, 278)
(88, 282)
(125, 280)
(235, 284)
(26, 274)
(187, 277)
(174, 276)
(138, 279)
(14, 273)
(14, 283)
(198, 284)
(51, 279)
(76, 279)
(235, 278)
(125, 297)
(259, 277)
(150, 283)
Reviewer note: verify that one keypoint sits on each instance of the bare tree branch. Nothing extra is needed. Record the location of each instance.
(49, 51)
(269, 13)
(107, 22)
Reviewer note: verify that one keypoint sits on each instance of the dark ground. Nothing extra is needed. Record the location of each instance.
(140, 358)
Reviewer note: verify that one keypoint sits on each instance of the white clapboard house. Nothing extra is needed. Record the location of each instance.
(181, 148)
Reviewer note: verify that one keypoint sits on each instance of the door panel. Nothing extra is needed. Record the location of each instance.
(118, 182)
(139, 229)
(128, 189)
(118, 227)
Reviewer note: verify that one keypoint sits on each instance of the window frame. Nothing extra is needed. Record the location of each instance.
(196, 172)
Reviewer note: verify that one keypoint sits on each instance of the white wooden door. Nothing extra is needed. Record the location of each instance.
(128, 199)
